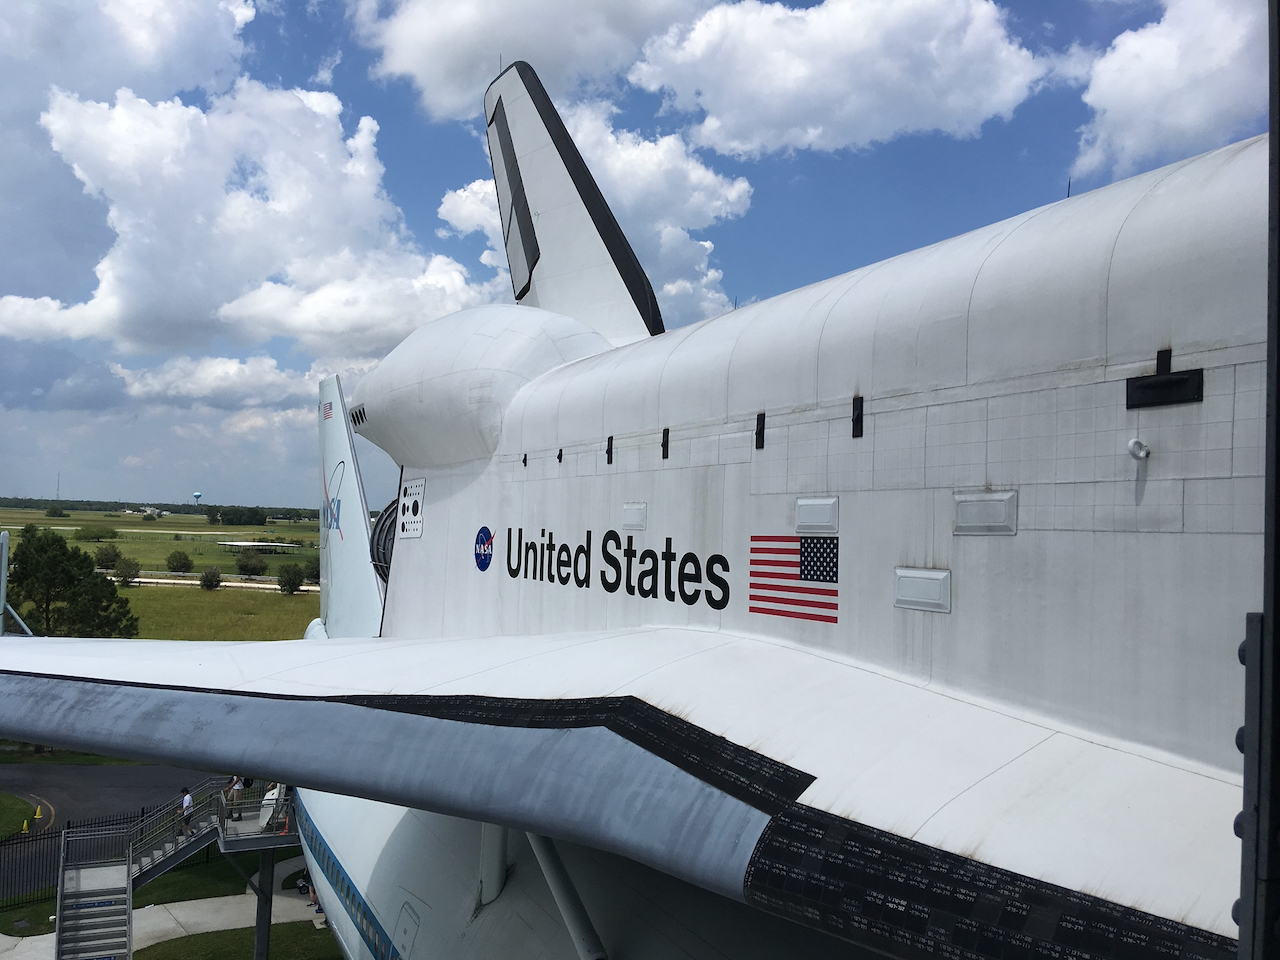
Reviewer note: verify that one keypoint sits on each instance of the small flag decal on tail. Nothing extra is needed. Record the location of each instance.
(328, 410)
(788, 576)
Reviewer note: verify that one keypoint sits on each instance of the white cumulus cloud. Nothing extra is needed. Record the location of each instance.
(154, 46)
(252, 219)
(471, 209)
(93, 47)
(1193, 80)
(221, 382)
(451, 50)
(657, 188)
(324, 72)
(844, 73)
(228, 383)
(660, 190)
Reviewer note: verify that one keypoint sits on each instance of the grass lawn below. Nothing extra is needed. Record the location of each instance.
(35, 915)
(13, 810)
(13, 751)
(189, 613)
(150, 543)
(289, 941)
(217, 878)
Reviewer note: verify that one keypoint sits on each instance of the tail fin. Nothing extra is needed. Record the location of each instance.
(350, 591)
(566, 251)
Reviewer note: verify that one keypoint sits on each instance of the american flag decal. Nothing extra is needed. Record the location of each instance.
(786, 577)
(328, 411)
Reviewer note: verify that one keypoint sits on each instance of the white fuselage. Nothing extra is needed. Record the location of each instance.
(952, 428)
(994, 363)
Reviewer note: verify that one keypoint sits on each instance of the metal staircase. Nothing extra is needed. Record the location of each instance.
(95, 897)
(161, 840)
(102, 866)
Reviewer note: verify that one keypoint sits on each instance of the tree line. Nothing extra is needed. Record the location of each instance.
(58, 593)
(116, 506)
(59, 590)
(254, 516)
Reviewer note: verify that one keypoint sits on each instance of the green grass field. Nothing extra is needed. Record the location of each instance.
(36, 916)
(289, 941)
(189, 613)
(217, 878)
(150, 542)
(14, 751)
(13, 810)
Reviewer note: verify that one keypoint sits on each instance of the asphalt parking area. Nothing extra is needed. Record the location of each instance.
(78, 792)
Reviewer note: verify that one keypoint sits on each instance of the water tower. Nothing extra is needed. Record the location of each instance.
(197, 496)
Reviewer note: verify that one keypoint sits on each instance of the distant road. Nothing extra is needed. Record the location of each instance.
(261, 583)
(191, 533)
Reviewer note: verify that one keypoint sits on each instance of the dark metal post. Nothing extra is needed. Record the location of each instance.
(1259, 912)
(266, 887)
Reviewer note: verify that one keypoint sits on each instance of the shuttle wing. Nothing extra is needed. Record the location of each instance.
(809, 786)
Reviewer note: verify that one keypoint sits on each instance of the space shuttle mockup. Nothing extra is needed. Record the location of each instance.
(850, 619)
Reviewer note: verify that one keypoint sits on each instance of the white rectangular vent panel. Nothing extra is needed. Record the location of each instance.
(635, 516)
(986, 513)
(921, 589)
(817, 514)
(412, 493)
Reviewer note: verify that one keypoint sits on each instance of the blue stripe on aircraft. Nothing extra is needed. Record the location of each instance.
(371, 931)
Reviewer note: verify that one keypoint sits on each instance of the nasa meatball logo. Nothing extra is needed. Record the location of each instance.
(484, 549)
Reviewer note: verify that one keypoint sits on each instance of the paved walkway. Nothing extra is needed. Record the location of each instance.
(263, 583)
(168, 921)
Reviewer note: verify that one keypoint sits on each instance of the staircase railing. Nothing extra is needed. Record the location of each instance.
(95, 919)
(106, 858)
(62, 874)
(256, 812)
(164, 824)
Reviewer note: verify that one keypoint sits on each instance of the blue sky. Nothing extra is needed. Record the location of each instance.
(210, 205)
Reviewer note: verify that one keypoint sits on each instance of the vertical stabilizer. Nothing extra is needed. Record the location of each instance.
(566, 251)
(350, 591)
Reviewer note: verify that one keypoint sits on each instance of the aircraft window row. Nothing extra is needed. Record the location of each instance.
(375, 938)
(855, 424)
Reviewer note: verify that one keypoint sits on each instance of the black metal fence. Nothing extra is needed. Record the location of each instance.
(29, 869)
(113, 819)
(29, 863)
